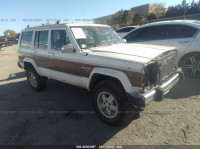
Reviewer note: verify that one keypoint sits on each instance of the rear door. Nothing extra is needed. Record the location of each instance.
(40, 49)
(180, 36)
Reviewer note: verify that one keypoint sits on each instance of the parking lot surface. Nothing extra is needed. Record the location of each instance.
(63, 114)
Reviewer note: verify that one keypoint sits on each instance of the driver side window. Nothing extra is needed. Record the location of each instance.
(146, 34)
(58, 39)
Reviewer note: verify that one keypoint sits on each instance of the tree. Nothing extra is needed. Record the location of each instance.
(198, 3)
(159, 10)
(184, 8)
(125, 16)
(174, 11)
(152, 16)
(137, 18)
(116, 19)
(9, 33)
(130, 18)
(193, 8)
(122, 18)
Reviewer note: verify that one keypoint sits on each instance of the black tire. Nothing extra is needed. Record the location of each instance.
(116, 90)
(40, 81)
(191, 65)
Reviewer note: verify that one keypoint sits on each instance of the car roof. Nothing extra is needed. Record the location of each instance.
(100, 25)
(183, 22)
(61, 25)
(126, 27)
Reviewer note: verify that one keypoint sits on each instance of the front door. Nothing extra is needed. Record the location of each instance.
(64, 66)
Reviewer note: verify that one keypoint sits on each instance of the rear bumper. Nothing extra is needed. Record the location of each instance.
(158, 92)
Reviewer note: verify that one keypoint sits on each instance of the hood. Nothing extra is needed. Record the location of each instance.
(131, 52)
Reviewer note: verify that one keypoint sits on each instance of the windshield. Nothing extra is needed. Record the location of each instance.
(94, 36)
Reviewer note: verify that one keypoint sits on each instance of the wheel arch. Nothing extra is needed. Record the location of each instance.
(97, 77)
(186, 55)
(100, 74)
(30, 62)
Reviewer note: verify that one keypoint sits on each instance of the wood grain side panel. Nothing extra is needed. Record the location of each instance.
(79, 69)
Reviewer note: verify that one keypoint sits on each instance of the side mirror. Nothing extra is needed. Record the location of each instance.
(125, 41)
(67, 48)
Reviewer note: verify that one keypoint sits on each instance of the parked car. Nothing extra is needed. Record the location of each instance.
(95, 58)
(2, 40)
(183, 34)
(13, 40)
(3, 43)
(124, 30)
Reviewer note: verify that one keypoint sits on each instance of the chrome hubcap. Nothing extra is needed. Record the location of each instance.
(32, 79)
(107, 104)
(192, 66)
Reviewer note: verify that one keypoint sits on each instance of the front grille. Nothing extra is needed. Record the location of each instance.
(160, 69)
(167, 63)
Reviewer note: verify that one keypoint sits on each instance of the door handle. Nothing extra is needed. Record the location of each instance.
(51, 54)
(34, 51)
(183, 42)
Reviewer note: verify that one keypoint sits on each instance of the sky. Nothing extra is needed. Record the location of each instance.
(17, 14)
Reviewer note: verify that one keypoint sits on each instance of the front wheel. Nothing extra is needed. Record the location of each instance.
(191, 66)
(108, 97)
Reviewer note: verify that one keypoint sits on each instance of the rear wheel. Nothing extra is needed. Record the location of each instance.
(37, 82)
(191, 66)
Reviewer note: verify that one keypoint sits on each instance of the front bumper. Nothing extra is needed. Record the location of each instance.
(20, 64)
(157, 93)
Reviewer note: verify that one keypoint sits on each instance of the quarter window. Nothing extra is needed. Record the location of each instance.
(26, 39)
(41, 39)
(58, 39)
(178, 31)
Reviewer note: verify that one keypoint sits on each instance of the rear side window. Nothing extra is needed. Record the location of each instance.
(41, 39)
(26, 39)
(178, 31)
(58, 39)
